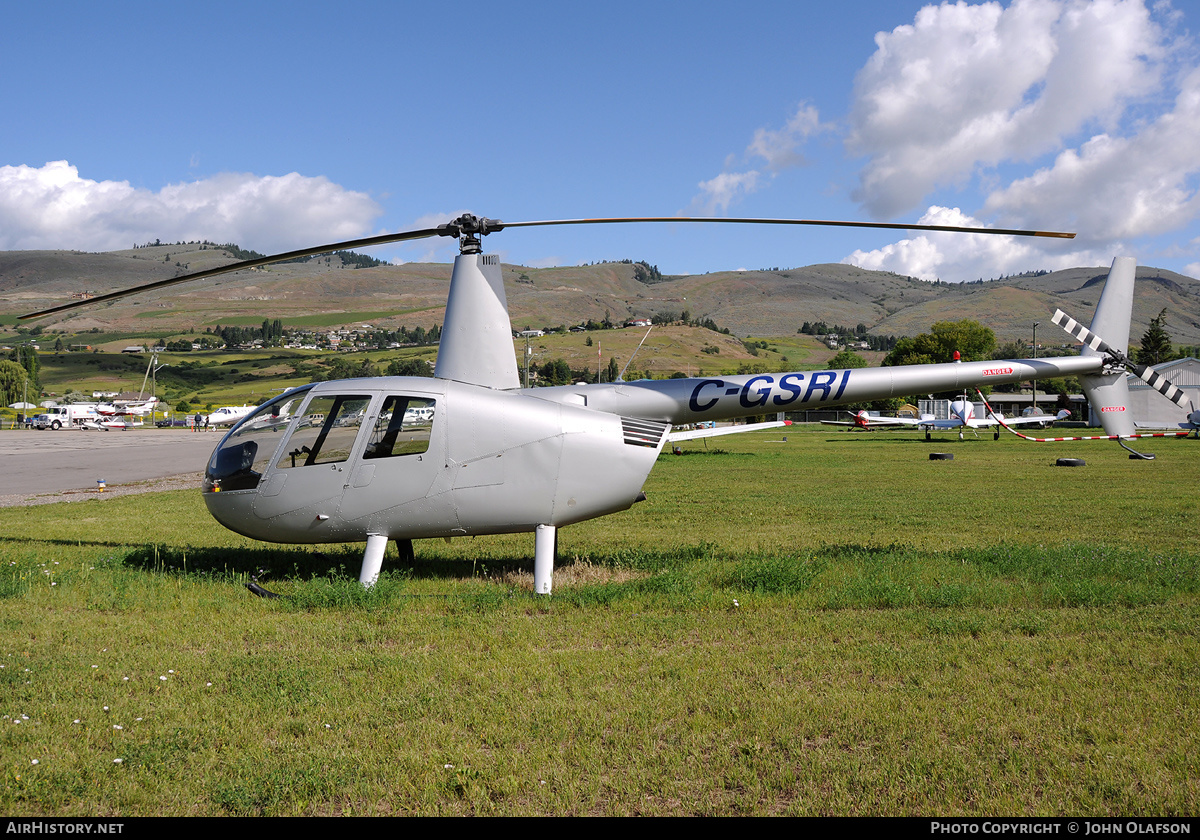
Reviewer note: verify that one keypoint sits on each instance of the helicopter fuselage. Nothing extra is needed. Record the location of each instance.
(408, 457)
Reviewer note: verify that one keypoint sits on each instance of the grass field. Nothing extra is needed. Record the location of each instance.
(831, 624)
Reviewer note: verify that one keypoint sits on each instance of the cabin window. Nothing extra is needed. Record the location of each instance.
(243, 454)
(403, 427)
(325, 433)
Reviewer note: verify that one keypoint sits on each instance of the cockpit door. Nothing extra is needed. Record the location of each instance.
(392, 485)
(313, 467)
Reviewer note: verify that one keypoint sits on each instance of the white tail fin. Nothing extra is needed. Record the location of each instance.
(477, 345)
(1108, 393)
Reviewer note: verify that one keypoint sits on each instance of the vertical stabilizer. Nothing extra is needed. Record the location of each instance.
(476, 345)
(1108, 393)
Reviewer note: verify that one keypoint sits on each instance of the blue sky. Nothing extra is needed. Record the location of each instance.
(283, 125)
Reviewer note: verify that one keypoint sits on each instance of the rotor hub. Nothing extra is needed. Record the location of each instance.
(467, 228)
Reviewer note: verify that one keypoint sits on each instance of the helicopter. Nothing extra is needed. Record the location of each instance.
(470, 452)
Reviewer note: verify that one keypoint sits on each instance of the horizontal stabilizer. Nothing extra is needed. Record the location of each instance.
(725, 430)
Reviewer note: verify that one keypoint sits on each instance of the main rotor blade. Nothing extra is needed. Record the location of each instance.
(384, 239)
(469, 225)
(821, 222)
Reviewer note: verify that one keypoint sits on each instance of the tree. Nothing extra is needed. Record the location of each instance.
(27, 358)
(613, 371)
(12, 382)
(409, 367)
(1156, 343)
(555, 372)
(972, 340)
(847, 359)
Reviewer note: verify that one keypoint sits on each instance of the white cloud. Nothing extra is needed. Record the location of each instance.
(1118, 187)
(52, 207)
(778, 148)
(971, 86)
(959, 257)
(725, 189)
(968, 94)
(781, 149)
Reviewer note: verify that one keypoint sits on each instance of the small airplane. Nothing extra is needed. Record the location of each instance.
(962, 415)
(229, 414)
(471, 452)
(868, 422)
(122, 408)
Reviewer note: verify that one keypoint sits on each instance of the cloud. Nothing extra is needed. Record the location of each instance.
(958, 257)
(968, 94)
(1118, 187)
(779, 149)
(725, 189)
(972, 86)
(52, 207)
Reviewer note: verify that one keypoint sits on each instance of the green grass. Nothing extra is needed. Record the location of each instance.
(831, 625)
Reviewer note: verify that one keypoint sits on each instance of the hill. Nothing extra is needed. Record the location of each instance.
(327, 291)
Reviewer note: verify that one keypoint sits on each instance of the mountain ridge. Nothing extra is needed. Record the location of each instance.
(748, 303)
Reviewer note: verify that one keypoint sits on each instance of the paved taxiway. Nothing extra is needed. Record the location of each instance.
(53, 462)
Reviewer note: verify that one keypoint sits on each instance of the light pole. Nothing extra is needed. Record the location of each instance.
(1035, 326)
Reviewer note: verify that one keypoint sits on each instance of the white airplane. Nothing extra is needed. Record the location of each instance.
(229, 414)
(133, 408)
(498, 458)
(962, 415)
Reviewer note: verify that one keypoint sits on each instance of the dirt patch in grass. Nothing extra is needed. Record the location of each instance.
(575, 574)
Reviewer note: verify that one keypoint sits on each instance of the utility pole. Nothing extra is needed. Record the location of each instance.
(1035, 326)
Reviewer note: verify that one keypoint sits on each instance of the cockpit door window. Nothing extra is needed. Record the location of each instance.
(326, 432)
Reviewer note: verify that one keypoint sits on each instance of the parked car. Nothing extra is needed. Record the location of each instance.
(177, 423)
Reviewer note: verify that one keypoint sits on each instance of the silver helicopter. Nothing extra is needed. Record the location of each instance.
(470, 452)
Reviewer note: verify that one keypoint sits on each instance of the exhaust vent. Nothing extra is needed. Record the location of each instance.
(643, 432)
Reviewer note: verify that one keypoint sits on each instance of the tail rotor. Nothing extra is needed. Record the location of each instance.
(1147, 374)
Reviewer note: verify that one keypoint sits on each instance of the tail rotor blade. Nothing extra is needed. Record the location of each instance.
(1148, 375)
(1161, 384)
(1083, 334)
